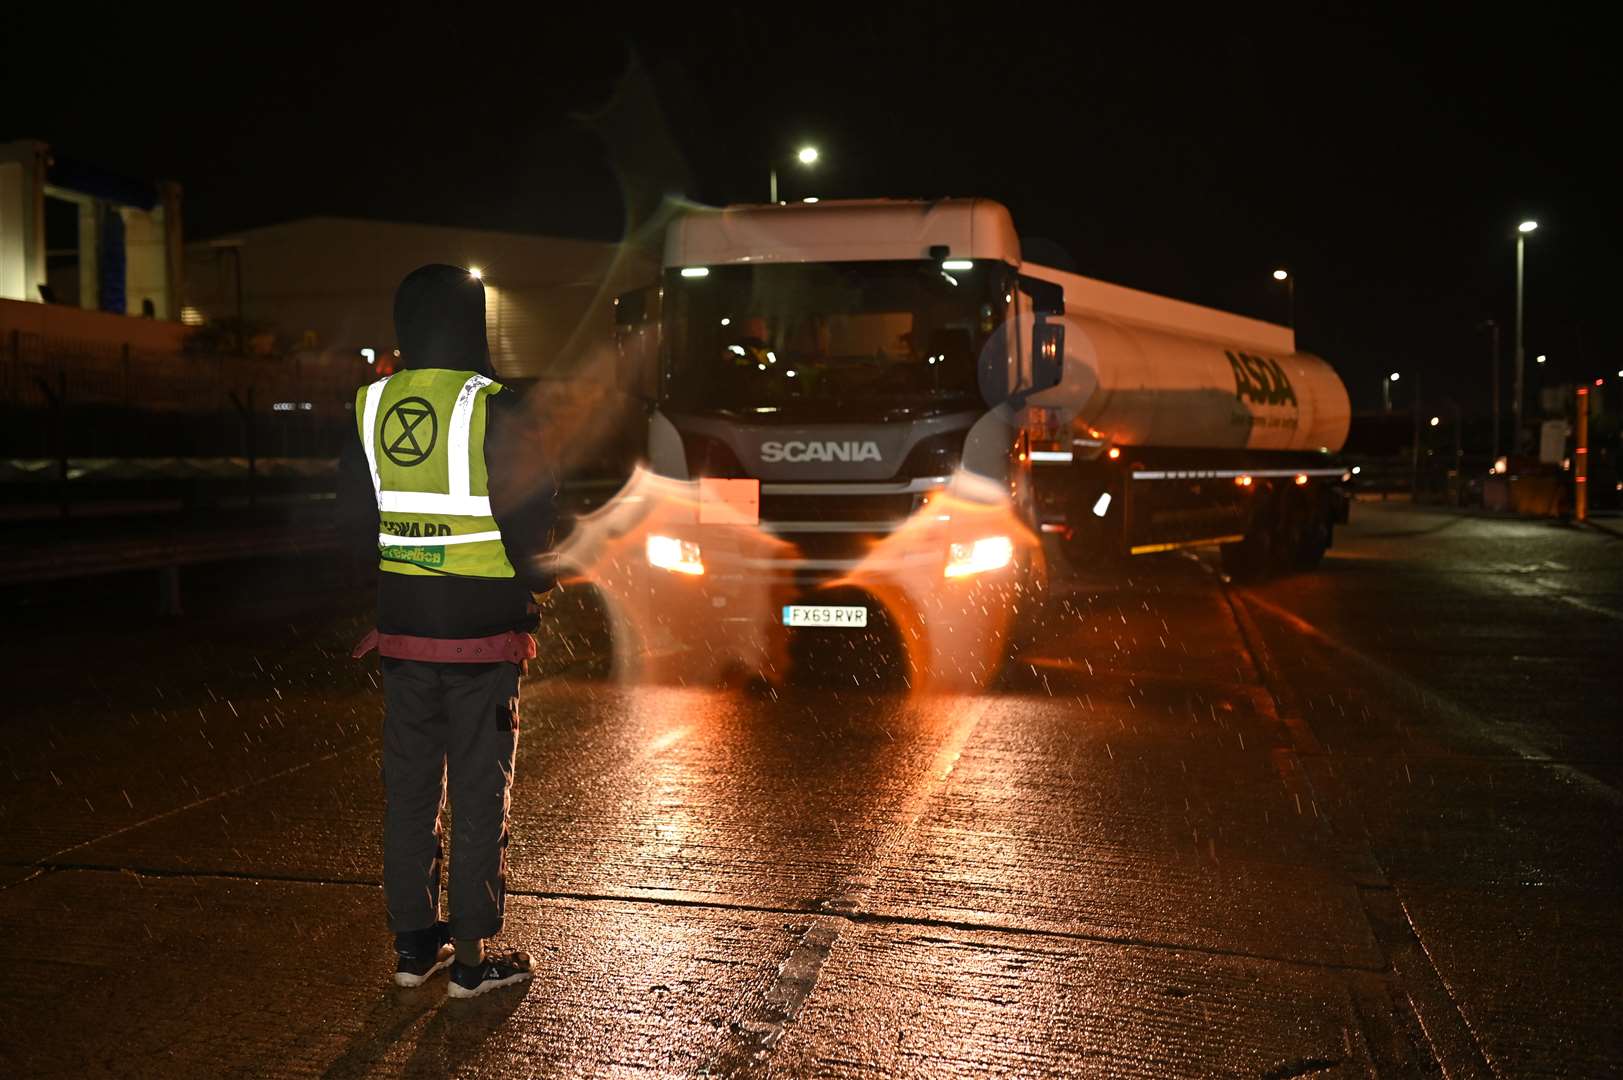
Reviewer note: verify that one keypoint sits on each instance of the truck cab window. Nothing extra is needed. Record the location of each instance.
(831, 340)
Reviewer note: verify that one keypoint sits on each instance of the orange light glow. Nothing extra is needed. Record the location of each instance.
(1301, 479)
(955, 636)
(1114, 453)
(645, 554)
(1243, 481)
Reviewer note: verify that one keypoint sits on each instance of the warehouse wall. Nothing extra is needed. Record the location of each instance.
(328, 284)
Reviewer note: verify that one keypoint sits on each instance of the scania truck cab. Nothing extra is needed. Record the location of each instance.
(848, 379)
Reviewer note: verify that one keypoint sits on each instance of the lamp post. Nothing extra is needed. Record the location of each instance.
(1290, 296)
(806, 155)
(1493, 336)
(1516, 403)
(1459, 455)
(1414, 483)
(1386, 391)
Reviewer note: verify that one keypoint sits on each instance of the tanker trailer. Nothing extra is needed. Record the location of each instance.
(1176, 425)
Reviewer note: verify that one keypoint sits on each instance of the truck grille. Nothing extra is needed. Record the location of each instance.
(890, 508)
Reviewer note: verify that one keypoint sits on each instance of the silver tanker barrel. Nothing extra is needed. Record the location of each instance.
(1148, 371)
(1176, 425)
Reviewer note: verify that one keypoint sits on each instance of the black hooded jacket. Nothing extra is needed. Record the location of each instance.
(439, 316)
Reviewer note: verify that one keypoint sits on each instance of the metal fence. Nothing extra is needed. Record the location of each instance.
(37, 372)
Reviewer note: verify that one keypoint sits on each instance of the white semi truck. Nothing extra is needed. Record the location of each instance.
(889, 392)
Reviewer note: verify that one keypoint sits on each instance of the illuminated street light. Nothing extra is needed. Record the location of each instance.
(806, 155)
(1436, 420)
(1527, 226)
(1540, 358)
(1290, 295)
(1386, 391)
(475, 273)
(1394, 376)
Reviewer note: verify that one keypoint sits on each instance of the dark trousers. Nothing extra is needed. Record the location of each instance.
(458, 721)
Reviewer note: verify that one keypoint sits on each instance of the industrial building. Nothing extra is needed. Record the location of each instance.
(326, 285)
(79, 236)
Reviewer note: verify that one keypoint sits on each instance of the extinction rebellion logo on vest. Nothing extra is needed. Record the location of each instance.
(1259, 380)
(796, 451)
(409, 432)
(432, 555)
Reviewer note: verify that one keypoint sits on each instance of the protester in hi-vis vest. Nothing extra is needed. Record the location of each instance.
(432, 485)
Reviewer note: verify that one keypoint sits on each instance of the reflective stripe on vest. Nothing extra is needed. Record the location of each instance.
(447, 531)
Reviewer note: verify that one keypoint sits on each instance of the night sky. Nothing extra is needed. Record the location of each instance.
(1385, 158)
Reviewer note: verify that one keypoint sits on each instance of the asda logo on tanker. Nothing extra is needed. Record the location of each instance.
(1259, 380)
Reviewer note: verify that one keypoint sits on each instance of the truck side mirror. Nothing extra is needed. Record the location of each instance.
(1047, 335)
(1047, 354)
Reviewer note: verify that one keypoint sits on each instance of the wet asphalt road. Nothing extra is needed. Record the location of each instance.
(1364, 821)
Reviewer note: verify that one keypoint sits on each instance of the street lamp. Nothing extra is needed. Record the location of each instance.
(1386, 391)
(1516, 403)
(1290, 295)
(1540, 358)
(806, 155)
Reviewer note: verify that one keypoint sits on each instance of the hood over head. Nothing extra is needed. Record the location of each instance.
(439, 320)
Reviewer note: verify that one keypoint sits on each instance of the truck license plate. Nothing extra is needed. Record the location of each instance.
(827, 615)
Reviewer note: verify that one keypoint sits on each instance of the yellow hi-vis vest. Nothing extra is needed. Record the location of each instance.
(424, 434)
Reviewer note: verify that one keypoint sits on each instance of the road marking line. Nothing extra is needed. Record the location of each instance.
(797, 976)
(1410, 967)
(852, 896)
(1598, 609)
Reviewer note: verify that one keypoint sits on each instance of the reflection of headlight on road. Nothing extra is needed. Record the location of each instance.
(677, 556)
(988, 553)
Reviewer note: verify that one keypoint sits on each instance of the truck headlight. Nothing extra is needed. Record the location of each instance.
(987, 553)
(677, 556)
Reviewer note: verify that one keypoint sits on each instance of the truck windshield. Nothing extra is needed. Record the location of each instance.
(824, 341)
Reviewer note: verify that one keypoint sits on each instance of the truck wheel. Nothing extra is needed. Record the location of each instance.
(1241, 560)
(1293, 532)
(1315, 542)
(1251, 559)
